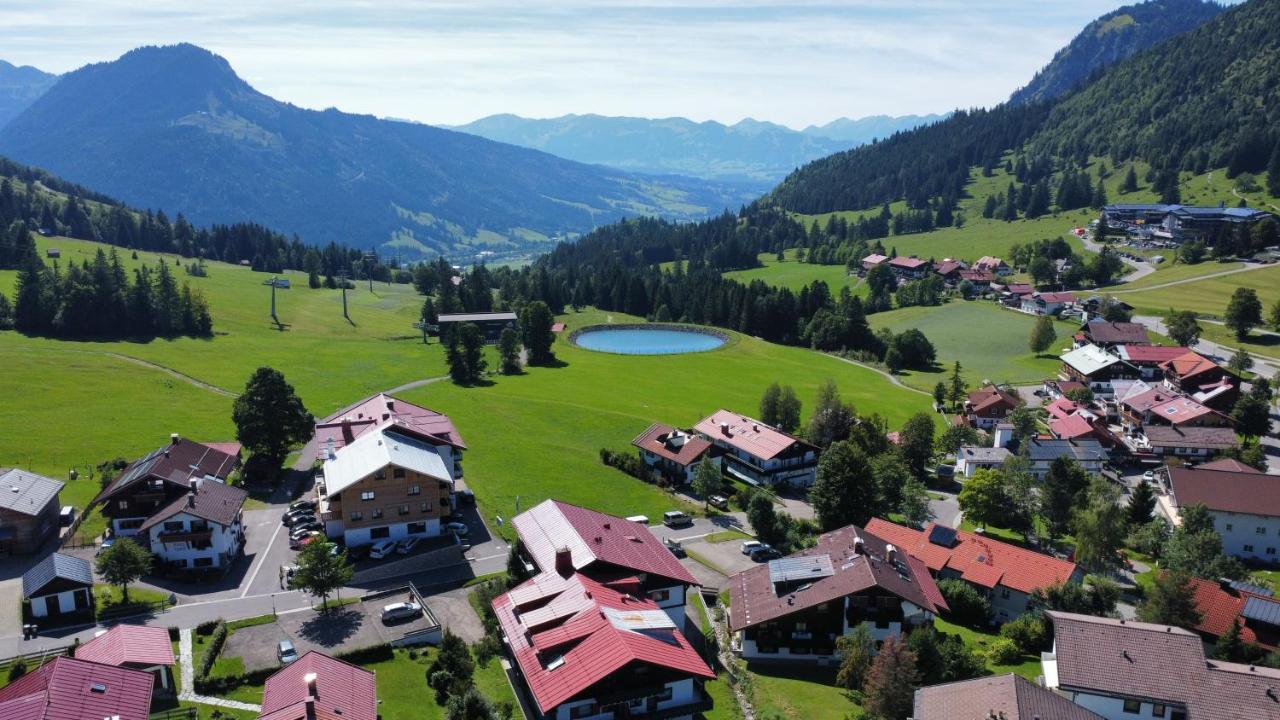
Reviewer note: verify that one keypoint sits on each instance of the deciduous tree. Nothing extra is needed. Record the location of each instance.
(269, 416)
(856, 649)
(1042, 335)
(1244, 312)
(1183, 327)
(124, 562)
(707, 479)
(915, 441)
(321, 570)
(1100, 527)
(845, 491)
(891, 681)
(1171, 600)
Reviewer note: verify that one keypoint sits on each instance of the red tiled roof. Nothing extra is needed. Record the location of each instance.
(1213, 438)
(946, 267)
(977, 276)
(1188, 364)
(674, 445)
(753, 598)
(1148, 399)
(1117, 333)
(1005, 696)
(1062, 407)
(980, 560)
(1149, 354)
(350, 422)
(230, 448)
(141, 645)
(557, 327)
(746, 434)
(593, 537)
(908, 263)
(1220, 608)
(177, 463)
(1070, 427)
(874, 259)
(343, 691)
(1020, 288)
(989, 262)
(213, 501)
(1058, 297)
(565, 643)
(990, 397)
(1179, 410)
(64, 690)
(1248, 493)
(1229, 465)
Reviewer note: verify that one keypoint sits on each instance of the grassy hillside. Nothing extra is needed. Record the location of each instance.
(795, 275)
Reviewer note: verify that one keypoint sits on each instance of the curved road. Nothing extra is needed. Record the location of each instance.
(1141, 269)
(1247, 267)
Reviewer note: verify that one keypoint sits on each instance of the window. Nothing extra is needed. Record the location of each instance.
(1132, 706)
(1229, 528)
(425, 506)
(173, 526)
(203, 562)
(801, 626)
(366, 495)
(133, 524)
(380, 475)
(415, 489)
(404, 509)
(660, 595)
(1260, 531)
(1271, 551)
(1004, 593)
(666, 694)
(377, 513)
(1248, 548)
(397, 473)
(357, 516)
(124, 505)
(1157, 711)
(1178, 715)
(581, 711)
(416, 528)
(379, 533)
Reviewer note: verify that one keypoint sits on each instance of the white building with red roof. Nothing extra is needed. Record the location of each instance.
(796, 607)
(673, 453)
(561, 538)
(318, 687)
(201, 532)
(136, 647)
(1046, 303)
(1243, 502)
(341, 428)
(1005, 574)
(757, 453)
(910, 268)
(70, 689)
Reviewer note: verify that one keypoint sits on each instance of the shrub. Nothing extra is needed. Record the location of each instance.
(17, 670)
(488, 648)
(216, 639)
(967, 606)
(1003, 651)
(1029, 632)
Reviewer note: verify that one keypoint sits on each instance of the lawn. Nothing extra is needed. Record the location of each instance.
(800, 693)
(990, 342)
(1168, 272)
(795, 275)
(1210, 295)
(109, 596)
(726, 536)
(1028, 668)
(538, 435)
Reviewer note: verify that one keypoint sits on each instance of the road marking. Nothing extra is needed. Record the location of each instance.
(694, 537)
(486, 557)
(263, 560)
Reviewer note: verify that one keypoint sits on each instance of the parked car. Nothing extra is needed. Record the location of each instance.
(303, 505)
(285, 652)
(675, 547)
(466, 497)
(1149, 476)
(457, 528)
(396, 612)
(676, 518)
(454, 517)
(297, 542)
(294, 517)
(66, 515)
(749, 546)
(761, 554)
(381, 549)
(406, 546)
(304, 528)
(719, 501)
(642, 519)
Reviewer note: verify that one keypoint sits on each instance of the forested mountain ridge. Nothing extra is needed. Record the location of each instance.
(19, 87)
(175, 127)
(750, 152)
(1111, 38)
(1207, 99)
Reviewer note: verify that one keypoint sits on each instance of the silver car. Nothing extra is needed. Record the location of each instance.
(396, 612)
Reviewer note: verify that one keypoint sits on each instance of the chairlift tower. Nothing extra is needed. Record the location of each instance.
(342, 281)
(273, 300)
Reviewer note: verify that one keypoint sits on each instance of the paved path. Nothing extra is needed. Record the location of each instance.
(891, 377)
(1141, 269)
(188, 691)
(1198, 278)
(415, 384)
(174, 373)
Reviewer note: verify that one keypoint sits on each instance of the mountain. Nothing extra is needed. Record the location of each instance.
(176, 127)
(873, 127)
(1112, 38)
(1204, 100)
(19, 87)
(751, 153)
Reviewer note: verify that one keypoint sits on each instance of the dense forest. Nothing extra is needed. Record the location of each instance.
(1207, 100)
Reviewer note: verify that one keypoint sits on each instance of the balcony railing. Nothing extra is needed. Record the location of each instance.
(194, 536)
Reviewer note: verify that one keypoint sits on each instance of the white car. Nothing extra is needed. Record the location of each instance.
(749, 546)
(381, 549)
(400, 611)
(1149, 476)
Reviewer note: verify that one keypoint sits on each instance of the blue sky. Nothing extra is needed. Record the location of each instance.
(452, 61)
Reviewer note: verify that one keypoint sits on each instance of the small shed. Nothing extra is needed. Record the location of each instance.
(53, 253)
(58, 585)
(137, 647)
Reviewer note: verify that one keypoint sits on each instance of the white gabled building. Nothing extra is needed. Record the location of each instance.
(199, 532)
(757, 453)
(1244, 505)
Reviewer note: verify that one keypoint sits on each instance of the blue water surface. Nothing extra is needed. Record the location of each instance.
(647, 341)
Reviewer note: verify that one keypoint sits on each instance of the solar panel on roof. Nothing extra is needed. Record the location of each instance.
(943, 535)
(806, 567)
(1263, 610)
(1243, 586)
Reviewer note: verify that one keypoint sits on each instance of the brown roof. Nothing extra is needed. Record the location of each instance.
(1188, 364)
(176, 463)
(1215, 438)
(1157, 662)
(992, 396)
(747, 434)
(212, 501)
(909, 263)
(342, 691)
(753, 598)
(1228, 464)
(1117, 333)
(1250, 493)
(1007, 696)
(675, 445)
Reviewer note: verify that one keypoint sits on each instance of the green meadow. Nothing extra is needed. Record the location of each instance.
(794, 275)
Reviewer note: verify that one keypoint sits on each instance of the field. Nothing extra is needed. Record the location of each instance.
(989, 342)
(1210, 295)
(795, 275)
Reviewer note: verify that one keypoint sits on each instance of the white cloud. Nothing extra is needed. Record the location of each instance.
(449, 62)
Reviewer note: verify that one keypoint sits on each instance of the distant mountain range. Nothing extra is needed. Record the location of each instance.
(175, 127)
(750, 152)
(19, 87)
(1111, 38)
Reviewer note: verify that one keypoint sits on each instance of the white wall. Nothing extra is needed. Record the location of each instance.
(1240, 535)
(1113, 708)
(66, 603)
(674, 604)
(356, 537)
(223, 539)
(683, 692)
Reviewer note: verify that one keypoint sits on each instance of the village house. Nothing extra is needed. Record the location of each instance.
(1004, 697)
(949, 270)
(673, 453)
(981, 279)
(1223, 603)
(1162, 406)
(1148, 358)
(1059, 388)
(1046, 303)
(135, 647)
(1244, 504)
(28, 511)
(69, 689)
(757, 453)
(1107, 334)
(337, 430)
(795, 608)
(909, 268)
(491, 324)
(1123, 670)
(972, 458)
(199, 533)
(159, 478)
(1203, 379)
(1089, 454)
(873, 260)
(986, 406)
(1096, 368)
(1005, 574)
(319, 687)
(390, 483)
(561, 538)
(1191, 443)
(1084, 426)
(59, 585)
(994, 265)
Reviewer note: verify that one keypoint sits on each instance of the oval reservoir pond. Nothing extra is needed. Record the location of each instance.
(634, 340)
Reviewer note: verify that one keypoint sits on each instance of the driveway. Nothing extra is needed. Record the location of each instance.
(944, 507)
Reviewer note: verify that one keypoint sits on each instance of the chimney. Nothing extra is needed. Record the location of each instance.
(858, 547)
(391, 404)
(724, 428)
(174, 438)
(191, 498)
(564, 562)
(890, 553)
(310, 680)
